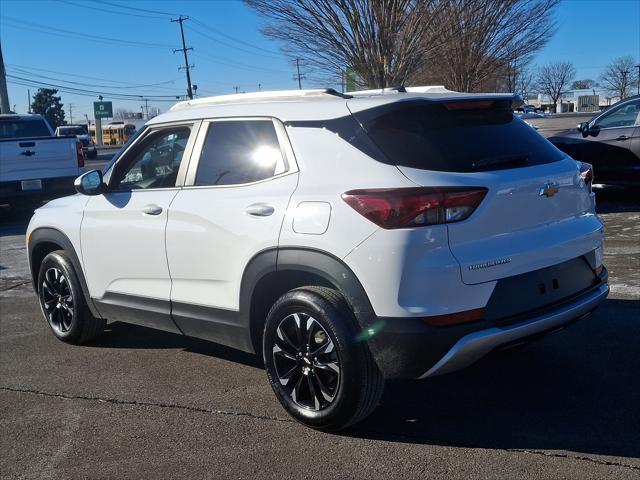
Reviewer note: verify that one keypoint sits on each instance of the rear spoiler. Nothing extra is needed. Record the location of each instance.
(366, 99)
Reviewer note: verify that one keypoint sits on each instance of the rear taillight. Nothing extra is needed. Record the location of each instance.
(586, 173)
(79, 154)
(415, 207)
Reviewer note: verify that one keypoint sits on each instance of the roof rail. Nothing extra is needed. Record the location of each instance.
(402, 89)
(260, 96)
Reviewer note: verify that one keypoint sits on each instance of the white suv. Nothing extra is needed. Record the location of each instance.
(345, 238)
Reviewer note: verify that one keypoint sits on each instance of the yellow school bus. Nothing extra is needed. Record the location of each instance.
(114, 133)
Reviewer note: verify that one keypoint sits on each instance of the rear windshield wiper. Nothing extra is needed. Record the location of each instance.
(502, 161)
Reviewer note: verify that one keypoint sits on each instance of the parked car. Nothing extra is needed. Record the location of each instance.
(345, 239)
(80, 131)
(33, 162)
(610, 141)
(530, 109)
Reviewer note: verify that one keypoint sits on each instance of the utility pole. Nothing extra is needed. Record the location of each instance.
(184, 50)
(259, 87)
(236, 89)
(4, 95)
(28, 100)
(638, 67)
(298, 76)
(146, 106)
(71, 113)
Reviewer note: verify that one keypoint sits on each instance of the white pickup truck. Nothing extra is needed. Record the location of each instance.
(35, 164)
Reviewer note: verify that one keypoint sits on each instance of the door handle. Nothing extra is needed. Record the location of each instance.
(260, 210)
(152, 209)
(28, 153)
(622, 138)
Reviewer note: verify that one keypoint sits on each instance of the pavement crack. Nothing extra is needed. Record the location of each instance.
(11, 287)
(116, 401)
(574, 457)
(450, 443)
(373, 433)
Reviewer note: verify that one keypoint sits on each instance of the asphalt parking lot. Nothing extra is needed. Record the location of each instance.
(140, 403)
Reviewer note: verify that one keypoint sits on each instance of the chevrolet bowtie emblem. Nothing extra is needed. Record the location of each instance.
(548, 190)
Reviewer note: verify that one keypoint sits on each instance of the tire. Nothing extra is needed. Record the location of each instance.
(62, 301)
(296, 369)
(93, 155)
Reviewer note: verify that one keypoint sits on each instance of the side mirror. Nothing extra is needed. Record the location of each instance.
(583, 128)
(90, 183)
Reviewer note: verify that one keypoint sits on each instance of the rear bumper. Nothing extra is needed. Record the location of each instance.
(411, 348)
(475, 345)
(11, 192)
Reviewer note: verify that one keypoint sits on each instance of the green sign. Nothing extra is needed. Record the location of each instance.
(103, 109)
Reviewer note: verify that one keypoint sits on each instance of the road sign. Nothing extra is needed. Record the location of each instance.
(103, 109)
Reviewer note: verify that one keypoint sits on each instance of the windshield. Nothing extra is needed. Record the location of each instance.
(18, 128)
(462, 136)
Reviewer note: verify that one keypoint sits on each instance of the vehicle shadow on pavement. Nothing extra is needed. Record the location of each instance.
(577, 390)
(617, 200)
(122, 335)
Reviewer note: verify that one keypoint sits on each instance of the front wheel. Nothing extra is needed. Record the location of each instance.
(62, 301)
(321, 373)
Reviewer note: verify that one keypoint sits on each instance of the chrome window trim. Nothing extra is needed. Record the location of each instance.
(283, 141)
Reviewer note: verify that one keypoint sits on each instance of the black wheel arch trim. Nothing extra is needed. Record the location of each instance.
(294, 260)
(53, 235)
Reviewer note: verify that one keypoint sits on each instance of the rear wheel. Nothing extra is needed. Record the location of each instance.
(62, 301)
(323, 376)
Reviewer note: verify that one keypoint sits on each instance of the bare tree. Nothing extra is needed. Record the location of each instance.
(620, 76)
(381, 41)
(525, 84)
(552, 79)
(583, 84)
(485, 38)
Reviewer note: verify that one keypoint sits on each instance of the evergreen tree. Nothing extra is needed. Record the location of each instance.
(46, 103)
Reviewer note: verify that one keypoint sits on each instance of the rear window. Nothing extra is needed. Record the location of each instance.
(455, 137)
(23, 129)
(72, 131)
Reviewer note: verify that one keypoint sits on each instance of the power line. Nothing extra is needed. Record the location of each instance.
(242, 42)
(84, 36)
(92, 95)
(184, 50)
(129, 14)
(23, 72)
(88, 91)
(30, 70)
(137, 9)
(227, 44)
(232, 64)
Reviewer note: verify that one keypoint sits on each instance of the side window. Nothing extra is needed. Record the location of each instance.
(154, 163)
(238, 152)
(625, 115)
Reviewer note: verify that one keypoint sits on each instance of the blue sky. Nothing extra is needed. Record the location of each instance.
(71, 42)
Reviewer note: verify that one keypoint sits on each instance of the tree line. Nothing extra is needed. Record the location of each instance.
(466, 45)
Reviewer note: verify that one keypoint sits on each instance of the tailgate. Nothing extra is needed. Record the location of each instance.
(38, 158)
(538, 210)
(517, 230)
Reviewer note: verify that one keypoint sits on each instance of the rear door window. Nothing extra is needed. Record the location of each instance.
(237, 152)
(455, 137)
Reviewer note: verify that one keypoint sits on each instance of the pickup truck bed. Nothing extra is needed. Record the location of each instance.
(37, 167)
